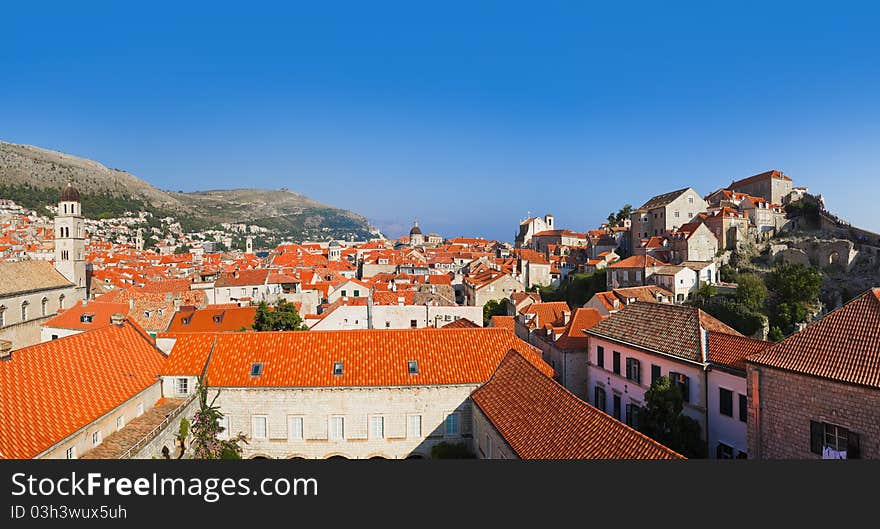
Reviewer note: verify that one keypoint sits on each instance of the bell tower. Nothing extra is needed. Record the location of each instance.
(70, 242)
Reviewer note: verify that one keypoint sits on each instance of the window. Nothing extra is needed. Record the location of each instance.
(413, 367)
(337, 428)
(617, 407)
(54, 336)
(616, 363)
(44, 304)
(337, 368)
(743, 408)
(683, 383)
(140, 409)
(96, 438)
(725, 400)
(256, 369)
(414, 426)
(120, 422)
(259, 427)
(724, 451)
(387, 324)
(2, 316)
(655, 373)
(599, 398)
(413, 324)
(634, 370)
(223, 423)
(357, 293)
(71, 453)
(377, 427)
(345, 293)
(632, 415)
(182, 386)
(600, 356)
(677, 214)
(24, 311)
(295, 428)
(690, 200)
(833, 442)
(452, 425)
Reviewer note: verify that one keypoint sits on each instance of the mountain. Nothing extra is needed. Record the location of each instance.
(34, 177)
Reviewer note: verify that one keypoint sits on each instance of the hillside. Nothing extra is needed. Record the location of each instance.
(34, 177)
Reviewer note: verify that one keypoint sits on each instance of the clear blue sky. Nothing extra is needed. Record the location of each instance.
(466, 115)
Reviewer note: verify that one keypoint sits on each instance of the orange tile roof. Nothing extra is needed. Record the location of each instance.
(189, 355)
(548, 313)
(370, 357)
(573, 337)
(540, 419)
(767, 175)
(52, 389)
(503, 322)
(731, 351)
(72, 317)
(843, 346)
(461, 323)
(210, 320)
(239, 278)
(638, 261)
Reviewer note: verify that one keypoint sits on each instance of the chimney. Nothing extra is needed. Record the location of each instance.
(130, 303)
(5, 350)
(566, 317)
(616, 304)
(117, 318)
(235, 274)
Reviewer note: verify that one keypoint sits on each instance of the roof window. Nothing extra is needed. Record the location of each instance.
(337, 368)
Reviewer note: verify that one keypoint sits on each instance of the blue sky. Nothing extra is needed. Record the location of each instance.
(466, 115)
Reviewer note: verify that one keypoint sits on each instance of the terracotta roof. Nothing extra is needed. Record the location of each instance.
(638, 261)
(843, 346)
(540, 419)
(52, 389)
(671, 329)
(211, 319)
(461, 323)
(662, 200)
(370, 357)
(573, 338)
(242, 278)
(27, 276)
(72, 318)
(759, 177)
(503, 322)
(189, 355)
(730, 350)
(548, 313)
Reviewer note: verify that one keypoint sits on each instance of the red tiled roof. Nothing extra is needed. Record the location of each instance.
(461, 323)
(52, 389)
(540, 419)
(638, 261)
(370, 357)
(242, 278)
(573, 338)
(843, 346)
(210, 320)
(100, 312)
(548, 313)
(731, 350)
(503, 322)
(671, 329)
(189, 355)
(759, 177)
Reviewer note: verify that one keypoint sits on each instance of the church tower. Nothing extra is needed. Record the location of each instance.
(70, 242)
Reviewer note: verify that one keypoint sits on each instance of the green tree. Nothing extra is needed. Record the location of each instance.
(494, 307)
(704, 293)
(751, 291)
(284, 317)
(662, 420)
(795, 282)
(624, 213)
(775, 334)
(182, 249)
(205, 429)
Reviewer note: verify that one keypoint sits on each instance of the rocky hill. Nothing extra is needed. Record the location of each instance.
(33, 177)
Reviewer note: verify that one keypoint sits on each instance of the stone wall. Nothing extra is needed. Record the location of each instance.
(782, 404)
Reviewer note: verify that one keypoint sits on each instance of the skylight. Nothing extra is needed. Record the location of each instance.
(256, 369)
(337, 368)
(413, 367)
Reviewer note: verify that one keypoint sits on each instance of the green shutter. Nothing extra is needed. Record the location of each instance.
(817, 431)
(852, 446)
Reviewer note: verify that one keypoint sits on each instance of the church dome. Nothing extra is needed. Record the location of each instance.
(415, 230)
(70, 194)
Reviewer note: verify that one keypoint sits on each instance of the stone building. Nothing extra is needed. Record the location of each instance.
(773, 186)
(663, 214)
(816, 394)
(344, 394)
(521, 413)
(693, 242)
(31, 293)
(529, 227)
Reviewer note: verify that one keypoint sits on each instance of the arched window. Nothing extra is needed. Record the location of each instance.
(61, 301)
(44, 304)
(24, 310)
(2, 316)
